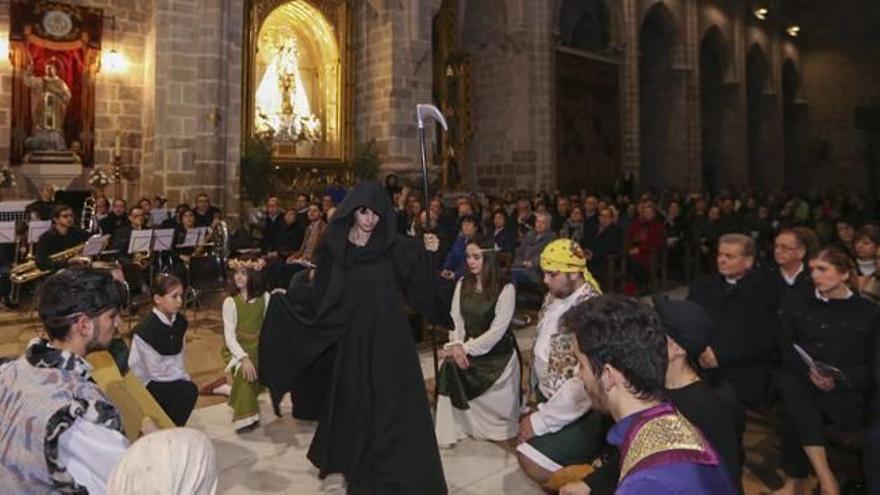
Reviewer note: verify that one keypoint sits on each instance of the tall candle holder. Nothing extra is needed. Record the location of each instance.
(117, 174)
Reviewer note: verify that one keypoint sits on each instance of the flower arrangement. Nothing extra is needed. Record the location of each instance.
(7, 178)
(99, 178)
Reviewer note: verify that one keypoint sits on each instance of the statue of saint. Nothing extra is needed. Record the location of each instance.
(282, 106)
(50, 98)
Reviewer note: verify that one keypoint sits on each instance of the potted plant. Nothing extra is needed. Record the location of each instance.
(256, 167)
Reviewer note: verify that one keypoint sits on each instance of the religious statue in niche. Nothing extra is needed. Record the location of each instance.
(282, 106)
(298, 61)
(50, 97)
(54, 50)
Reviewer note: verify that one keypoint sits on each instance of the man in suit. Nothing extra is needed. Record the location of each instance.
(743, 309)
(604, 241)
(272, 224)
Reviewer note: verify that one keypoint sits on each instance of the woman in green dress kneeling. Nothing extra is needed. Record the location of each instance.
(479, 381)
(243, 313)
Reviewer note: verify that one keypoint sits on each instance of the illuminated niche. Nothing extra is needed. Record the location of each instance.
(296, 85)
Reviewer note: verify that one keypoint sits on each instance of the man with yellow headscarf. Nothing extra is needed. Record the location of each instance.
(562, 430)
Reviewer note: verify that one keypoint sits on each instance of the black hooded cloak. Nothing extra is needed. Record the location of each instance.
(343, 346)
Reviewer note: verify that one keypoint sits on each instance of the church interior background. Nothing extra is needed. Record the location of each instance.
(235, 98)
(164, 96)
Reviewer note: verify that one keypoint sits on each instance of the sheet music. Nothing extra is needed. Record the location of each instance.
(807, 359)
(191, 239)
(163, 240)
(37, 228)
(95, 245)
(821, 368)
(140, 241)
(158, 216)
(7, 232)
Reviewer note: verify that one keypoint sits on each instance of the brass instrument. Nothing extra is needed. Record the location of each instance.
(28, 271)
(88, 220)
(219, 235)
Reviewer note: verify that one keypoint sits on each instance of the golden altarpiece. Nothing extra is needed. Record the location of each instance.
(297, 90)
(452, 74)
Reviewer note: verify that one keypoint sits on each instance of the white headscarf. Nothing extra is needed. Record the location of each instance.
(178, 460)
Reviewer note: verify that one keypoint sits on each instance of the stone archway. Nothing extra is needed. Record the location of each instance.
(587, 99)
(716, 99)
(661, 93)
(760, 111)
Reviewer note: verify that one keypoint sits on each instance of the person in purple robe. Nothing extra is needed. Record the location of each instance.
(622, 353)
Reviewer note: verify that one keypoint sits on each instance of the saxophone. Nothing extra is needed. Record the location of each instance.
(28, 271)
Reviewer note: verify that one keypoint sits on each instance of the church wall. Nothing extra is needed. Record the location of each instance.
(197, 99)
(392, 75)
(839, 71)
(512, 57)
(177, 103)
(835, 83)
(119, 97)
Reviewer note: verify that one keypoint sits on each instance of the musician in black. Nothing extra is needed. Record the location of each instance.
(206, 214)
(134, 267)
(147, 206)
(62, 236)
(115, 219)
(288, 240)
(271, 225)
(42, 208)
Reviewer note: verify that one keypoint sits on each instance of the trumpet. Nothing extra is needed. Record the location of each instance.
(28, 271)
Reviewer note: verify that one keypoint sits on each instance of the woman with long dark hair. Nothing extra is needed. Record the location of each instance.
(827, 337)
(479, 381)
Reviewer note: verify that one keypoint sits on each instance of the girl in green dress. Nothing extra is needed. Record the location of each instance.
(243, 313)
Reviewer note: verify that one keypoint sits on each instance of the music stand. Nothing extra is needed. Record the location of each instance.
(95, 245)
(162, 242)
(191, 239)
(158, 216)
(163, 239)
(37, 228)
(7, 232)
(140, 241)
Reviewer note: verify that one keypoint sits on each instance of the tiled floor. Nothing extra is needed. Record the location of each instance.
(272, 459)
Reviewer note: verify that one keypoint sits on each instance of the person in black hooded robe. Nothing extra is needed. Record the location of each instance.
(343, 347)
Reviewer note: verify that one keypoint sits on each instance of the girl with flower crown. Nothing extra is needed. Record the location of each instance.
(243, 313)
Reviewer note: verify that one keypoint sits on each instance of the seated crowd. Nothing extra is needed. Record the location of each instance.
(781, 319)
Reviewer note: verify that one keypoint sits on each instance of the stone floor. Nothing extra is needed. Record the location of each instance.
(272, 459)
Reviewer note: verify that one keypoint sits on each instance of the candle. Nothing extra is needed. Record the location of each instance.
(118, 149)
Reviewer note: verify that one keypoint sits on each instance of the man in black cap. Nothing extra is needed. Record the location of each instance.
(715, 411)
